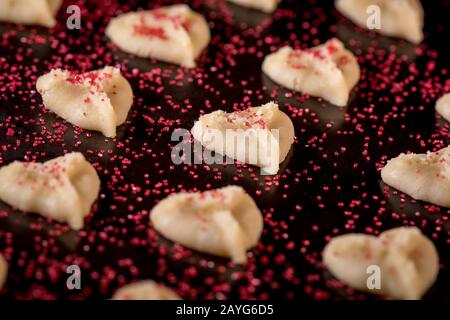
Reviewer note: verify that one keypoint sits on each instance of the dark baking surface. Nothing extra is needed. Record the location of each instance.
(329, 185)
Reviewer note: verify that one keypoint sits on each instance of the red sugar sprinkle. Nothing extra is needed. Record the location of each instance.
(143, 29)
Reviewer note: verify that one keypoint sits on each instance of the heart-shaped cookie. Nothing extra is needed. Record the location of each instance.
(224, 222)
(443, 106)
(260, 136)
(30, 12)
(3, 271)
(422, 176)
(145, 290)
(407, 260)
(399, 18)
(174, 34)
(97, 100)
(63, 188)
(328, 71)
(266, 6)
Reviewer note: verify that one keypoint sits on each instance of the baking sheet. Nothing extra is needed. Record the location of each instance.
(329, 185)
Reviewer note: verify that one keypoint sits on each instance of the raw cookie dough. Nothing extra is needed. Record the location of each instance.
(407, 260)
(261, 136)
(266, 6)
(422, 176)
(224, 222)
(145, 290)
(399, 18)
(328, 71)
(173, 34)
(63, 188)
(443, 106)
(30, 12)
(3, 271)
(97, 100)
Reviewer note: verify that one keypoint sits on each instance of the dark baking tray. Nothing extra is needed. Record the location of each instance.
(329, 185)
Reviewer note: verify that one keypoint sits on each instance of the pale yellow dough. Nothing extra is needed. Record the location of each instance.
(266, 6)
(3, 271)
(224, 222)
(328, 71)
(219, 131)
(63, 188)
(443, 106)
(173, 34)
(145, 290)
(96, 100)
(30, 12)
(399, 18)
(407, 260)
(422, 176)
